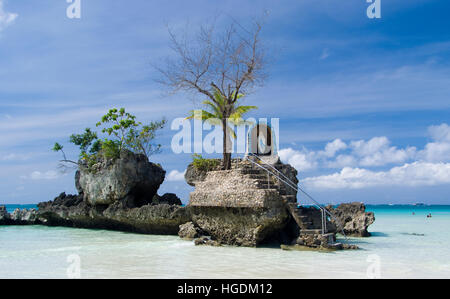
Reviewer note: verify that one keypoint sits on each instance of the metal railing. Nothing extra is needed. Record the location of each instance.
(284, 179)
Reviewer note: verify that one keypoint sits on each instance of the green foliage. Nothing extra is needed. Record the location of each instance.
(129, 134)
(111, 149)
(57, 147)
(140, 141)
(85, 140)
(203, 164)
(120, 122)
(125, 134)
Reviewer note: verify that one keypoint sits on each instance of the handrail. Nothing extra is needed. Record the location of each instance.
(291, 184)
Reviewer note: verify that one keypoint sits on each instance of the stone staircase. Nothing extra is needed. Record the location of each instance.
(266, 181)
(311, 234)
(308, 219)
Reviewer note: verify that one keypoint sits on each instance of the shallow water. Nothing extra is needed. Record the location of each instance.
(406, 246)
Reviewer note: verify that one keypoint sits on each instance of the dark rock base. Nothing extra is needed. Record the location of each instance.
(72, 211)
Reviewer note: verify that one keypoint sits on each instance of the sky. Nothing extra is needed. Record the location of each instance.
(364, 104)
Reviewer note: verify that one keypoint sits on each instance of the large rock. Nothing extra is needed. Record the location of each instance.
(241, 226)
(353, 219)
(109, 181)
(241, 206)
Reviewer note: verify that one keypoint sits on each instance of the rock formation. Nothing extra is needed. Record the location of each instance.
(118, 195)
(353, 219)
(189, 231)
(168, 198)
(18, 217)
(111, 180)
(242, 206)
(246, 206)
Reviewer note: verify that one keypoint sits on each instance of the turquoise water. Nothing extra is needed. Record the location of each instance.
(406, 246)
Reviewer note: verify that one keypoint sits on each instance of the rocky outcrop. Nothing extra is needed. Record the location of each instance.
(194, 175)
(353, 219)
(120, 195)
(242, 206)
(190, 231)
(122, 215)
(110, 180)
(24, 216)
(206, 241)
(246, 206)
(240, 226)
(18, 217)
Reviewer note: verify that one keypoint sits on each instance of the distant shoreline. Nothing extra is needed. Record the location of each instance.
(11, 207)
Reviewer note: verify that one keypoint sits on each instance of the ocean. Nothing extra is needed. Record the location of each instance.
(403, 245)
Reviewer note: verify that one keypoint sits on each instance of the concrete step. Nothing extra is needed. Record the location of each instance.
(311, 231)
(258, 176)
(265, 185)
(252, 171)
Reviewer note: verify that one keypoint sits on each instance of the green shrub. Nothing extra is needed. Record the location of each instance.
(111, 149)
(203, 164)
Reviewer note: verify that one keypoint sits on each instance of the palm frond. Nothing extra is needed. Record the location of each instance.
(214, 108)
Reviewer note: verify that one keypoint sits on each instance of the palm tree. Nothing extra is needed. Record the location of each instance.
(221, 112)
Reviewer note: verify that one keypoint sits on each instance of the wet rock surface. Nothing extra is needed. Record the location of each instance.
(206, 241)
(190, 231)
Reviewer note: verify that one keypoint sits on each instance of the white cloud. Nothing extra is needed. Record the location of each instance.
(410, 166)
(342, 161)
(14, 157)
(374, 152)
(439, 150)
(176, 176)
(49, 175)
(333, 147)
(415, 175)
(436, 152)
(440, 133)
(302, 161)
(325, 54)
(6, 18)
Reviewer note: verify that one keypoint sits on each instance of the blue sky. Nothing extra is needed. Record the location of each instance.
(363, 104)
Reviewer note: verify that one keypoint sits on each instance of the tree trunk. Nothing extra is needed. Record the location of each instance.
(226, 146)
